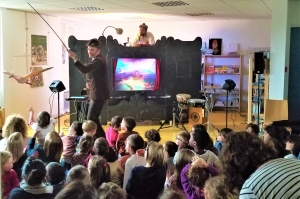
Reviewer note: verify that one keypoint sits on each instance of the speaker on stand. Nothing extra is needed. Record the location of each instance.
(56, 87)
(229, 85)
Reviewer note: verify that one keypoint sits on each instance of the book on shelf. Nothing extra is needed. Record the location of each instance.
(209, 69)
(221, 69)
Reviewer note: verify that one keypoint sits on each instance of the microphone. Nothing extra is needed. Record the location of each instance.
(119, 31)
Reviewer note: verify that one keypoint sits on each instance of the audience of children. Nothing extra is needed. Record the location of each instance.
(78, 173)
(9, 178)
(147, 182)
(221, 138)
(84, 149)
(33, 186)
(50, 151)
(152, 135)
(99, 170)
(127, 124)
(110, 190)
(14, 123)
(170, 148)
(174, 182)
(89, 128)
(70, 142)
(112, 132)
(55, 175)
(253, 129)
(133, 143)
(15, 147)
(94, 170)
(43, 125)
(182, 141)
(193, 177)
(199, 139)
(78, 190)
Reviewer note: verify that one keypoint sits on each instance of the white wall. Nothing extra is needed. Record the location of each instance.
(17, 98)
(248, 33)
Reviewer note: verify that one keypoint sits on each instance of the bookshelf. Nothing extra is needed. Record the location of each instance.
(216, 69)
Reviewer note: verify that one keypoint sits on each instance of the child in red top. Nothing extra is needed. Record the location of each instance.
(8, 175)
(112, 132)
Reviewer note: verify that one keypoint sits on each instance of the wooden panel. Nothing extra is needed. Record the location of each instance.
(276, 110)
(196, 116)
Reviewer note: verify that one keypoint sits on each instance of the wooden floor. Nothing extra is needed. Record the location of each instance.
(218, 119)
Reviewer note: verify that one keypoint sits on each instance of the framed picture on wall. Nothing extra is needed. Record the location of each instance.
(38, 50)
(216, 45)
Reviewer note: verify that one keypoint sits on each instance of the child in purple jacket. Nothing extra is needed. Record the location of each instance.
(193, 177)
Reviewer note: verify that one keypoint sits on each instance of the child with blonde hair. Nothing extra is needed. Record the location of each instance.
(110, 190)
(15, 147)
(14, 123)
(89, 128)
(147, 182)
(182, 141)
(49, 152)
(43, 125)
(9, 178)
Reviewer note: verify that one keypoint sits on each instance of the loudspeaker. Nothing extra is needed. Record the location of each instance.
(229, 85)
(259, 63)
(57, 86)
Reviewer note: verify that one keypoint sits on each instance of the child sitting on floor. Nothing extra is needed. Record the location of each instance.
(69, 144)
(221, 138)
(193, 177)
(170, 149)
(182, 141)
(112, 132)
(43, 125)
(89, 128)
(127, 124)
(9, 177)
(84, 148)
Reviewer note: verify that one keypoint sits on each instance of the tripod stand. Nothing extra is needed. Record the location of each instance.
(209, 107)
(174, 118)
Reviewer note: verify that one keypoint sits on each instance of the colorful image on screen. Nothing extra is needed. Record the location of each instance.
(135, 74)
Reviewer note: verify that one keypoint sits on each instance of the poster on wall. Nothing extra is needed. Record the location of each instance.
(216, 46)
(38, 50)
(36, 80)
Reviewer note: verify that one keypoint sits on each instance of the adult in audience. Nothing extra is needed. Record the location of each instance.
(143, 38)
(293, 145)
(98, 83)
(14, 123)
(33, 186)
(78, 190)
(252, 170)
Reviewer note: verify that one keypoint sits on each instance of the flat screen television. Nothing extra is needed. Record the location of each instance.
(136, 74)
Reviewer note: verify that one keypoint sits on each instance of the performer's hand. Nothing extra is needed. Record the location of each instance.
(88, 85)
(72, 54)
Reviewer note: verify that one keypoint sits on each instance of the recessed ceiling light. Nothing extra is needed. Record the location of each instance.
(200, 14)
(133, 17)
(170, 3)
(88, 9)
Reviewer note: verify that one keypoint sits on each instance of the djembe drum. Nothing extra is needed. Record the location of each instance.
(183, 105)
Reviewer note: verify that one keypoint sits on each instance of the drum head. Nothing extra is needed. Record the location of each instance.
(200, 101)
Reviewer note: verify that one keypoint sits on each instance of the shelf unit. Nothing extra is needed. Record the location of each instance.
(216, 69)
(255, 92)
